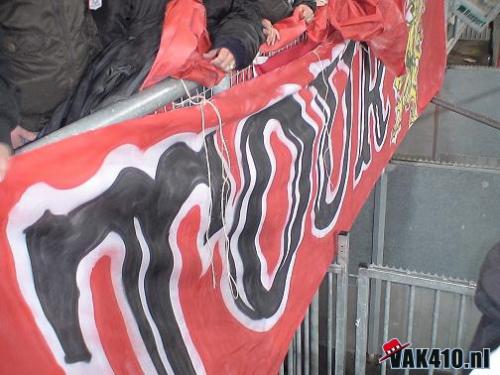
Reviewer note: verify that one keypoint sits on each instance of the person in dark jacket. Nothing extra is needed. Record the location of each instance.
(233, 25)
(48, 45)
(236, 32)
(487, 300)
(9, 112)
(273, 11)
(130, 31)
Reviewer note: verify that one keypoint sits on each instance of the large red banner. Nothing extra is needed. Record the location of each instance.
(193, 241)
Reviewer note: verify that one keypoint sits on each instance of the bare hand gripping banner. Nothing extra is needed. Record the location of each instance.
(181, 244)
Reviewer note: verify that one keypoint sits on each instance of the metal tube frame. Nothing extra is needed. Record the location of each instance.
(342, 301)
(379, 216)
(413, 280)
(140, 104)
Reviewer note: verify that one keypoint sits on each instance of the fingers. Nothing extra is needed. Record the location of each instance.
(272, 35)
(4, 160)
(20, 136)
(16, 141)
(29, 136)
(210, 54)
(305, 13)
(224, 60)
(267, 24)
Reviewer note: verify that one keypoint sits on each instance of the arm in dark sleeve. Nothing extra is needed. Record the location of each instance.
(240, 31)
(9, 110)
(310, 3)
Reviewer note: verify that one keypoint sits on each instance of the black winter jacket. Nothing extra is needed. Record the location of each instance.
(488, 302)
(235, 25)
(48, 44)
(276, 10)
(9, 111)
(131, 32)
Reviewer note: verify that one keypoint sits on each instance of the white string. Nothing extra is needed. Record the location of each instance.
(200, 101)
(325, 114)
(191, 100)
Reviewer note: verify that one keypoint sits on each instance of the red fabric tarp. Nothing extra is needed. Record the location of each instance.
(379, 23)
(106, 258)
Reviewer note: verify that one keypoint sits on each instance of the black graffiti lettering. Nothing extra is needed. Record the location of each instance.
(264, 303)
(57, 244)
(373, 109)
(325, 212)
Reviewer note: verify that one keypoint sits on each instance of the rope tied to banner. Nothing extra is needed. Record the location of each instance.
(200, 101)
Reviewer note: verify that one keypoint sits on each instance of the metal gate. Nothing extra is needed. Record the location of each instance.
(413, 282)
(388, 303)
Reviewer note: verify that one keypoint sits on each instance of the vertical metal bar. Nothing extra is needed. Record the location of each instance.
(341, 304)
(461, 316)
(282, 369)
(307, 342)
(315, 335)
(299, 351)
(411, 313)
(437, 112)
(387, 312)
(329, 324)
(140, 104)
(379, 216)
(289, 360)
(435, 321)
(361, 322)
(293, 352)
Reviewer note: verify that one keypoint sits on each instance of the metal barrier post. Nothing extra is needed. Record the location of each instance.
(377, 258)
(314, 335)
(290, 356)
(362, 322)
(140, 104)
(341, 304)
(307, 342)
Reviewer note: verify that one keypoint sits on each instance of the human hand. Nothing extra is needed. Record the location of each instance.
(321, 3)
(20, 136)
(305, 13)
(4, 159)
(222, 58)
(272, 34)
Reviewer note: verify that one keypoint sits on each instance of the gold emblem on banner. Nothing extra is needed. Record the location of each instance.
(406, 86)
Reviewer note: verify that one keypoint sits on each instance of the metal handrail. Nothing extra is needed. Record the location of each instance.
(171, 92)
(140, 104)
(491, 122)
